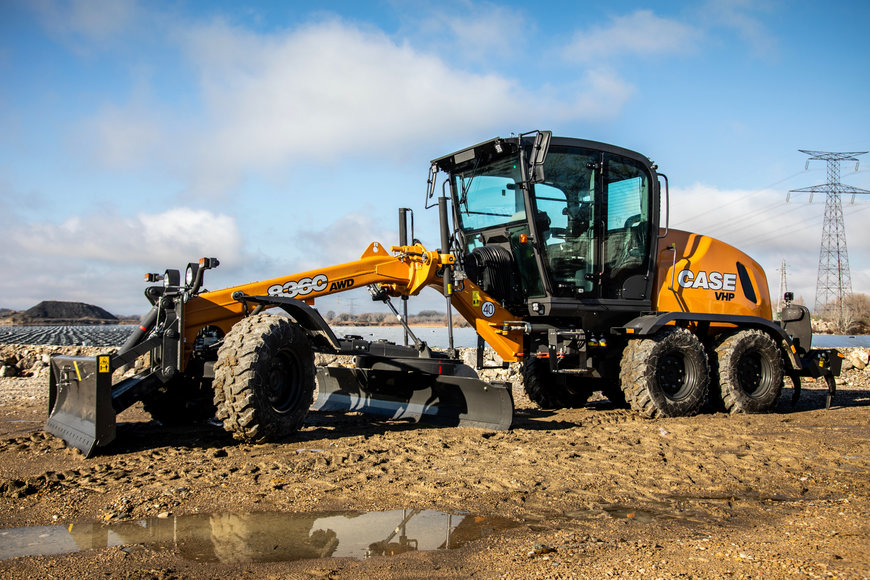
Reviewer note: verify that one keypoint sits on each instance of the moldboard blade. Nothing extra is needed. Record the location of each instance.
(426, 398)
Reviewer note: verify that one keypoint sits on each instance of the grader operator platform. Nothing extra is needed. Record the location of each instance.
(558, 256)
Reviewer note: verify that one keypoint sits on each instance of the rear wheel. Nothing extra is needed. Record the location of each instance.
(549, 390)
(749, 369)
(264, 378)
(666, 375)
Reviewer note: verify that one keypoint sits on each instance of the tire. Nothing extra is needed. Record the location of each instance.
(182, 401)
(666, 375)
(749, 370)
(613, 391)
(549, 390)
(610, 384)
(264, 378)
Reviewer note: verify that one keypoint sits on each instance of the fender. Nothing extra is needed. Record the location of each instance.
(305, 316)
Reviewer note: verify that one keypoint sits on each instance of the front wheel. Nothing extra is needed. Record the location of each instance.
(549, 390)
(750, 372)
(183, 401)
(665, 375)
(264, 378)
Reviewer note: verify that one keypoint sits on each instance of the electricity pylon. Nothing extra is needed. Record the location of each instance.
(834, 283)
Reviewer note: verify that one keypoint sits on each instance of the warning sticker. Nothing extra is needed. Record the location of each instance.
(475, 298)
(103, 365)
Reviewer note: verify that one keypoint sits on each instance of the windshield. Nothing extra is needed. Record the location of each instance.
(592, 220)
(490, 196)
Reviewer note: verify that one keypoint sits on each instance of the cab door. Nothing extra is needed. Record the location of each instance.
(625, 229)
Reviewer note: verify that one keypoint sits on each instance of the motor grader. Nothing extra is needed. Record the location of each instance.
(556, 250)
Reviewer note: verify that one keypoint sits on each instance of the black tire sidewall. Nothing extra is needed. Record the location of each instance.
(243, 375)
(639, 376)
(730, 350)
(546, 391)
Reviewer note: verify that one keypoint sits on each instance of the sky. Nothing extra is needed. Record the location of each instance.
(282, 136)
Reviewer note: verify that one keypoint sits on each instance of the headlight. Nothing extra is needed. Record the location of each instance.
(190, 274)
(171, 278)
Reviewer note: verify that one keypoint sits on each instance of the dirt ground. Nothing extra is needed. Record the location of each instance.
(587, 493)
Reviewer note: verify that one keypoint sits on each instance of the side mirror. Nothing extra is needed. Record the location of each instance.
(539, 155)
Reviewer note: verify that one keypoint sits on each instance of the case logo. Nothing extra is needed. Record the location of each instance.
(725, 283)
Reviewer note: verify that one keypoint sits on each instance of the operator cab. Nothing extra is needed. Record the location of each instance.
(576, 229)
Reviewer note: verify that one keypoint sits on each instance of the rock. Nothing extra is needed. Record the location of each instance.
(8, 371)
(859, 357)
(854, 361)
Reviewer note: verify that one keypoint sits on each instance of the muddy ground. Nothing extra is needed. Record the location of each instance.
(588, 493)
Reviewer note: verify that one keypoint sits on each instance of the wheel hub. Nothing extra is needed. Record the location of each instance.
(750, 374)
(671, 374)
(283, 389)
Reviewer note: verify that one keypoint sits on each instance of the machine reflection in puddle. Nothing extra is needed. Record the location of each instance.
(263, 537)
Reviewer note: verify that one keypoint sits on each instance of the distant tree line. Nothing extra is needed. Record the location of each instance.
(852, 318)
(422, 318)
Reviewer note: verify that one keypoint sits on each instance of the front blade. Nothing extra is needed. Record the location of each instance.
(80, 401)
(426, 398)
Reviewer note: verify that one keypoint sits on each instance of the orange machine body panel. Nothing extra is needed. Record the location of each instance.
(697, 273)
(495, 324)
(407, 272)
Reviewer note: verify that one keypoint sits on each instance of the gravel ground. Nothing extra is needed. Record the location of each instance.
(588, 493)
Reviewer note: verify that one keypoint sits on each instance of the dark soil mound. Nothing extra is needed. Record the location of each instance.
(56, 312)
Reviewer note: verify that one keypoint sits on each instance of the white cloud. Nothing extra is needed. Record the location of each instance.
(736, 15)
(174, 235)
(124, 137)
(472, 32)
(85, 23)
(325, 92)
(344, 240)
(761, 224)
(640, 33)
(101, 258)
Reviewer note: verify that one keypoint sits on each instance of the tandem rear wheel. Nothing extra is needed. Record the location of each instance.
(749, 369)
(264, 378)
(666, 374)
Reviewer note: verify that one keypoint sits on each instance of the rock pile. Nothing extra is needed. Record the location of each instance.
(33, 361)
(857, 358)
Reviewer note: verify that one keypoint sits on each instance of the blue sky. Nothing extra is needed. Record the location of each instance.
(136, 136)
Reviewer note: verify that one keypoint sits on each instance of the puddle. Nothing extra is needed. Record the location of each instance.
(263, 537)
(617, 512)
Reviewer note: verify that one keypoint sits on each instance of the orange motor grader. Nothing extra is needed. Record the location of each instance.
(553, 249)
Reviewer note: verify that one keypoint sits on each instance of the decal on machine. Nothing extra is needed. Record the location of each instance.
(303, 286)
(341, 285)
(725, 282)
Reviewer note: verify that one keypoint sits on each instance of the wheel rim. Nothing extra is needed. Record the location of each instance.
(673, 375)
(753, 374)
(285, 382)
